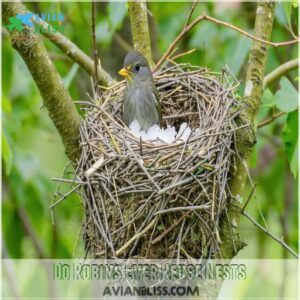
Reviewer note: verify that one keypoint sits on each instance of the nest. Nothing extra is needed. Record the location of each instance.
(158, 200)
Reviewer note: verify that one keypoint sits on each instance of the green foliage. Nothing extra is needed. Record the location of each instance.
(6, 154)
(290, 138)
(286, 98)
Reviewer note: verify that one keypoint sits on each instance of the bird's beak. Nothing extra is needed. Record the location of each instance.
(124, 72)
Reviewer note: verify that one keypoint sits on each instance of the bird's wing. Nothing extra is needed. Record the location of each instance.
(157, 103)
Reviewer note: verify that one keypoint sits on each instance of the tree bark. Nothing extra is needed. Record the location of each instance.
(56, 98)
(246, 137)
(140, 29)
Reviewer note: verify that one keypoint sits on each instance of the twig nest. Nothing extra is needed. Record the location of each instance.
(159, 200)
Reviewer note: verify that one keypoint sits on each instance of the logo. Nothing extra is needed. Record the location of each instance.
(37, 22)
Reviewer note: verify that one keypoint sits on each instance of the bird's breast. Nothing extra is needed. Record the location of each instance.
(140, 105)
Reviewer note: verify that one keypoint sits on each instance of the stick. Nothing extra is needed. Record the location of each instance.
(142, 167)
(270, 120)
(250, 196)
(94, 167)
(162, 235)
(125, 246)
(280, 71)
(218, 22)
(95, 75)
(64, 196)
(181, 208)
(281, 242)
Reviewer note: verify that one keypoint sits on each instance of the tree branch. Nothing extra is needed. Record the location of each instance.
(56, 98)
(271, 119)
(257, 60)
(76, 54)
(73, 52)
(140, 29)
(218, 22)
(245, 138)
(280, 71)
(274, 237)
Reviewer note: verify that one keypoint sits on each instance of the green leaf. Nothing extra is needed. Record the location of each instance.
(268, 98)
(286, 98)
(6, 106)
(6, 154)
(12, 231)
(290, 139)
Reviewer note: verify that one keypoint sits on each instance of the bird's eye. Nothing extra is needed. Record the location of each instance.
(137, 67)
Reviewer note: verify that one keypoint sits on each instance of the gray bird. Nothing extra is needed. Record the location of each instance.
(140, 98)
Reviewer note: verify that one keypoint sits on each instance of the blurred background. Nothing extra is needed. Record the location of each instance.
(32, 152)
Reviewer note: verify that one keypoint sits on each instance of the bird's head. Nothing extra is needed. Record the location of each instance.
(136, 67)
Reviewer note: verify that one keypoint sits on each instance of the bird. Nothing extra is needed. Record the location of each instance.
(140, 100)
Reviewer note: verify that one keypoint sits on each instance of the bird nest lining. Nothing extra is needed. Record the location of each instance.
(158, 200)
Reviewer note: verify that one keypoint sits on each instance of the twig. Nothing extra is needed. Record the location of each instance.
(181, 208)
(64, 180)
(76, 54)
(176, 184)
(278, 240)
(163, 234)
(182, 54)
(95, 54)
(280, 71)
(270, 120)
(94, 167)
(142, 167)
(203, 17)
(250, 196)
(138, 235)
(65, 196)
(191, 13)
(180, 240)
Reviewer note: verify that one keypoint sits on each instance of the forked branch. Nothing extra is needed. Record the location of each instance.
(204, 17)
